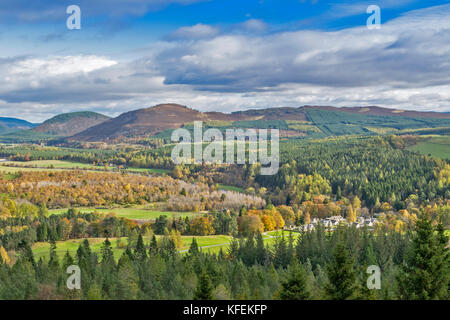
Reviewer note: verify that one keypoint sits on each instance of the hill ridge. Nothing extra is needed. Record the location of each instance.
(149, 121)
(70, 123)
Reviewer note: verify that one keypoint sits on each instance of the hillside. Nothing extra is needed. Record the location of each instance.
(12, 124)
(146, 122)
(68, 124)
(308, 121)
(378, 111)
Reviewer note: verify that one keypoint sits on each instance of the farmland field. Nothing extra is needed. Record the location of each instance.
(209, 244)
(130, 213)
(230, 188)
(436, 146)
(44, 165)
(41, 249)
(53, 165)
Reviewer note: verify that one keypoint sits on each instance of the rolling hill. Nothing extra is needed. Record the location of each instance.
(69, 124)
(154, 120)
(307, 121)
(12, 124)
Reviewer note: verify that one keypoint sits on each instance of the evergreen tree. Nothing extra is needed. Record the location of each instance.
(425, 273)
(27, 253)
(204, 290)
(139, 253)
(233, 249)
(107, 253)
(53, 263)
(193, 249)
(67, 261)
(129, 253)
(127, 284)
(153, 250)
(341, 274)
(260, 253)
(295, 286)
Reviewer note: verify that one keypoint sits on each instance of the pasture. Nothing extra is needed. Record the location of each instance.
(209, 244)
(436, 146)
(12, 167)
(135, 213)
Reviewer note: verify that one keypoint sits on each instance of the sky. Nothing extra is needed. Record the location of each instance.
(221, 55)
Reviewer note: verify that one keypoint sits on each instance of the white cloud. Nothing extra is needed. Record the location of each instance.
(406, 65)
(254, 25)
(198, 31)
(59, 65)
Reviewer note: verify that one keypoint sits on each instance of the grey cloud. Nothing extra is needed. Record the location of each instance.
(399, 54)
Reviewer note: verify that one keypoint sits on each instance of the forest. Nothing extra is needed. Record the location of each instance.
(392, 205)
(317, 266)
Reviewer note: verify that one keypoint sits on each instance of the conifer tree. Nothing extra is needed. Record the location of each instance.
(193, 249)
(67, 261)
(233, 249)
(341, 274)
(139, 253)
(153, 250)
(204, 290)
(261, 253)
(107, 253)
(425, 273)
(27, 253)
(53, 263)
(295, 286)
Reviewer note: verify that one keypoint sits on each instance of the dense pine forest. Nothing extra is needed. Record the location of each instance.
(319, 265)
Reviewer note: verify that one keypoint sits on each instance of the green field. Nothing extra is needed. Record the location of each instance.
(11, 167)
(231, 188)
(436, 146)
(337, 123)
(130, 213)
(145, 170)
(210, 244)
(41, 249)
(53, 165)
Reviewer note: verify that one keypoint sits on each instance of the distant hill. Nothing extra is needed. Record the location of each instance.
(142, 123)
(307, 121)
(286, 113)
(68, 124)
(378, 111)
(12, 124)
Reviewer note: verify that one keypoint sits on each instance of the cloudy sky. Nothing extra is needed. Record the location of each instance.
(221, 55)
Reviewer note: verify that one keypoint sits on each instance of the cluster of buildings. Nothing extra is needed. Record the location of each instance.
(333, 222)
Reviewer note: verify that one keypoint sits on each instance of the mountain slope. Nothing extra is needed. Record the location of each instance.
(312, 121)
(379, 111)
(13, 124)
(68, 124)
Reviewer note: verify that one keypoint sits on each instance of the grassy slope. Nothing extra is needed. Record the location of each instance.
(231, 188)
(130, 213)
(41, 249)
(437, 146)
(51, 165)
(333, 122)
